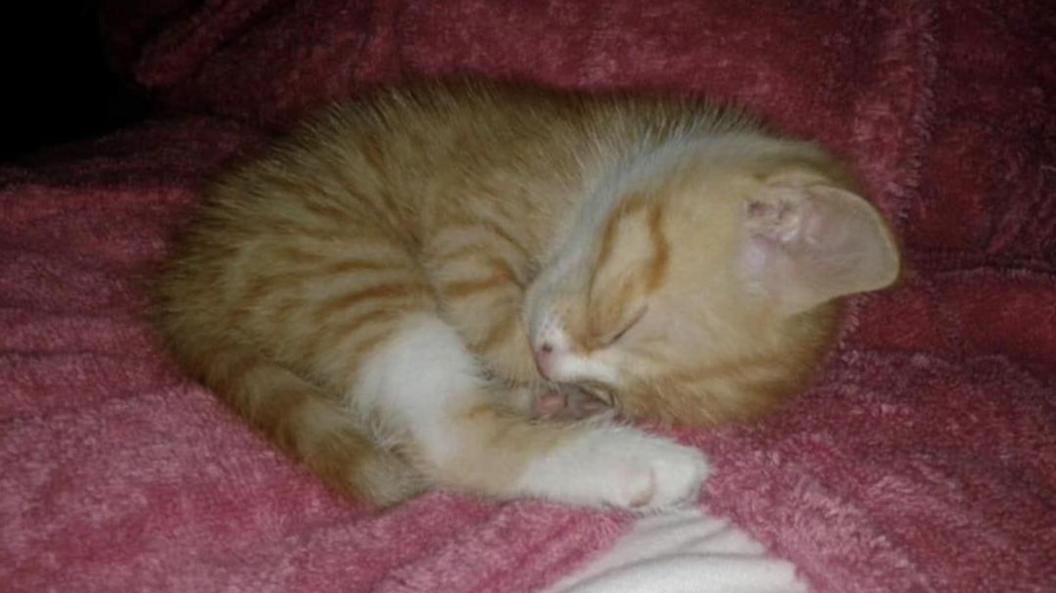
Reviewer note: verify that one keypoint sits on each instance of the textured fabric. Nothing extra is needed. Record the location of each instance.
(120, 475)
(683, 552)
(923, 461)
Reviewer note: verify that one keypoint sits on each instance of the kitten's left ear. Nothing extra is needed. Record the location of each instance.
(808, 241)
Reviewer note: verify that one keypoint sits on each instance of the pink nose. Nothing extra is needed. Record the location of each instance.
(543, 359)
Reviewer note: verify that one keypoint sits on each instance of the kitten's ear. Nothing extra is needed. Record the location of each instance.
(808, 241)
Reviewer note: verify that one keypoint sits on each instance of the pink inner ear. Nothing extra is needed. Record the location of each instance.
(810, 244)
(777, 220)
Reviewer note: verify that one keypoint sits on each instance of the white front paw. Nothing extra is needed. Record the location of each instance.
(620, 467)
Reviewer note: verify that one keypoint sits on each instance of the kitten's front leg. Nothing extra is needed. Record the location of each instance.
(427, 387)
(479, 276)
(617, 466)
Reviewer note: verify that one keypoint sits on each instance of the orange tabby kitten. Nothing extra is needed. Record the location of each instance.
(388, 293)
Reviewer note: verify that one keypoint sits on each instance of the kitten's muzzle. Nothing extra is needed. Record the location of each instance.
(544, 359)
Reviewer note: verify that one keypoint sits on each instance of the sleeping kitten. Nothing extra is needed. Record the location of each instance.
(399, 293)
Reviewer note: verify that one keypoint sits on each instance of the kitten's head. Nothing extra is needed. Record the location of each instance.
(700, 285)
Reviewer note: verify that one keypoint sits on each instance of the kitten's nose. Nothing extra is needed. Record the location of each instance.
(543, 359)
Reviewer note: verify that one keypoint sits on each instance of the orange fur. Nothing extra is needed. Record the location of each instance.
(453, 201)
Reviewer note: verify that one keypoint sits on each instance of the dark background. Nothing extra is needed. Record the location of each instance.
(57, 83)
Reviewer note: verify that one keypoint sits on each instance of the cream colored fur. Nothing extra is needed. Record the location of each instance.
(396, 293)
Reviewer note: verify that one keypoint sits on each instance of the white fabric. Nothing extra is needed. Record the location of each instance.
(684, 552)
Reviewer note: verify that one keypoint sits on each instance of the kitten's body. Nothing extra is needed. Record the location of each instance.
(378, 292)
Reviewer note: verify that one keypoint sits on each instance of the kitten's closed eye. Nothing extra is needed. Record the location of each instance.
(614, 335)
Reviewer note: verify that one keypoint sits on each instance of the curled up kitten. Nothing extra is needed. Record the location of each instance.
(391, 292)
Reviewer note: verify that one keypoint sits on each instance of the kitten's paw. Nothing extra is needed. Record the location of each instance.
(557, 403)
(569, 404)
(618, 467)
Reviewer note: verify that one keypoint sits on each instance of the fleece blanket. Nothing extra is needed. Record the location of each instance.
(683, 552)
(923, 460)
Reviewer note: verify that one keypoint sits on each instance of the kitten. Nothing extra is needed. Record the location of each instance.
(392, 293)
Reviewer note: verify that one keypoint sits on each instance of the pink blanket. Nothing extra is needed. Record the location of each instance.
(924, 460)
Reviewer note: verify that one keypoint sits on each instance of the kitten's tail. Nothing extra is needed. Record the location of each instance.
(306, 423)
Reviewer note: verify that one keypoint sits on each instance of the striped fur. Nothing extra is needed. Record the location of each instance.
(483, 221)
